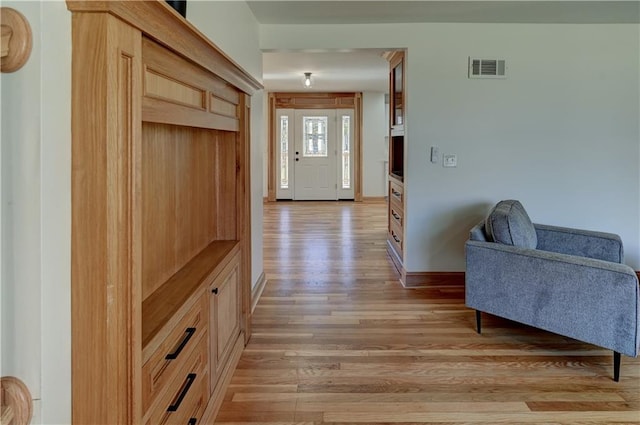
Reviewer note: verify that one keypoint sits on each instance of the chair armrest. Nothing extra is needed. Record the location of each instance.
(583, 243)
(587, 299)
(477, 232)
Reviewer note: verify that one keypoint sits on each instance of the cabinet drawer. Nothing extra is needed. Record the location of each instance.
(396, 215)
(395, 237)
(396, 192)
(186, 396)
(173, 351)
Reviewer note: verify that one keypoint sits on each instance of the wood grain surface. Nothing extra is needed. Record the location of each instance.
(337, 340)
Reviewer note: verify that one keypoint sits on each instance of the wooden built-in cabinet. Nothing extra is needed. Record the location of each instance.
(397, 113)
(160, 216)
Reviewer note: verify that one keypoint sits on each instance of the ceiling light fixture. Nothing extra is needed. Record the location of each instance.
(307, 82)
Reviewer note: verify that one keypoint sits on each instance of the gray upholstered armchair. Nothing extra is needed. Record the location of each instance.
(567, 281)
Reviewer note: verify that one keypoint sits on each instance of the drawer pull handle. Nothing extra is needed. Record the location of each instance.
(214, 291)
(189, 333)
(395, 237)
(396, 193)
(395, 215)
(192, 421)
(185, 389)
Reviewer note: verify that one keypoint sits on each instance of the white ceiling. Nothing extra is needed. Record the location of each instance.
(366, 70)
(357, 70)
(496, 11)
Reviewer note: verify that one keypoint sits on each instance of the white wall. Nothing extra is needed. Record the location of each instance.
(560, 133)
(56, 212)
(374, 153)
(36, 231)
(233, 28)
(21, 229)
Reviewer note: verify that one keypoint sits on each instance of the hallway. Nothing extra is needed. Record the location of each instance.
(337, 340)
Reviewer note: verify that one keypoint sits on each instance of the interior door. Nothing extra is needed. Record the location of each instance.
(315, 155)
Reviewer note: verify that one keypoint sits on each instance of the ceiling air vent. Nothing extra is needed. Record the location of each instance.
(486, 68)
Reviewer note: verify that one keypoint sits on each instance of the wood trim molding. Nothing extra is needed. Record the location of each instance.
(374, 199)
(431, 279)
(243, 199)
(315, 100)
(423, 279)
(17, 406)
(16, 39)
(256, 293)
(271, 164)
(357, 150)
(158, 21)
(105, 240)
(395, 58)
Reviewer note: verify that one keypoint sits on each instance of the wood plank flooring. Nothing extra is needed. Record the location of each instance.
(337, 340)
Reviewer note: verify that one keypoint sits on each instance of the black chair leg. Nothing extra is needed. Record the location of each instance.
(479, 321)
(616, 366)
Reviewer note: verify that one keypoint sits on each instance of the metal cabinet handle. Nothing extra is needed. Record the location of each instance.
(395, 237)
(183, 393)
(192, 421)
(188, 334)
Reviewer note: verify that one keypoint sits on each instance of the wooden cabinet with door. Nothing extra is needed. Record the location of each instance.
(160, 216)
(397, 113)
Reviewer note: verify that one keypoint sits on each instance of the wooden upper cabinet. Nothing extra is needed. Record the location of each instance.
(397, 164)
(396, 90)
(160, 209)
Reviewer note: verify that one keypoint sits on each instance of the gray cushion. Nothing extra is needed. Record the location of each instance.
(508, 223)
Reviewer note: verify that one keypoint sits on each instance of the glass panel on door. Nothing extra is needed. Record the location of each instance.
(284, 152)
(346, 152)
(315, 136)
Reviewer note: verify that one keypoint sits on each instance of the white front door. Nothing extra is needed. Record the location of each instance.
(314, 155)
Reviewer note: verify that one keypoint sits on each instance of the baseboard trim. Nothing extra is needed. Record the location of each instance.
(256, 292)
(217, 395)
(374, 199)
(431, 279)
(412, 280)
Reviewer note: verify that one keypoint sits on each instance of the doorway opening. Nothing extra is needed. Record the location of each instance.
(315, 146)
(314, 154)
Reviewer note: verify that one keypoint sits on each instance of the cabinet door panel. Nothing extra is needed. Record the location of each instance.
(225, 317)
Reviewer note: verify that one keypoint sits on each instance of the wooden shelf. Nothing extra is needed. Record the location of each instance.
(163, 304)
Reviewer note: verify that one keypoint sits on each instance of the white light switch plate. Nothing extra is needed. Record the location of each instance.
(450, 161)
(435, 154)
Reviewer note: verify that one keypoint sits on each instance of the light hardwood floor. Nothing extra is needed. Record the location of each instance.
(337, 340)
